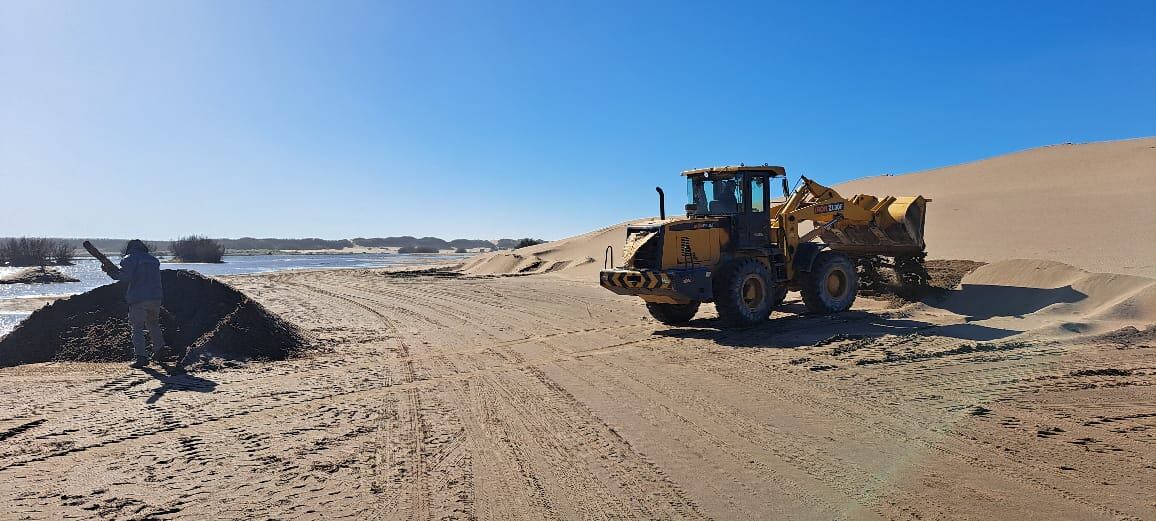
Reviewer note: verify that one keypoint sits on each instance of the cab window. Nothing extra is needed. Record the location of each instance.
(758, 194)
(717, 196)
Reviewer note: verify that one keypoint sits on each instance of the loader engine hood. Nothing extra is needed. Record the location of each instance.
(673, 242)
(643, 248)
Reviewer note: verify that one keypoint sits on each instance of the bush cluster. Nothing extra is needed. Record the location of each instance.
(528, 242)
(195, 248)
(36, 251)
(417, 249)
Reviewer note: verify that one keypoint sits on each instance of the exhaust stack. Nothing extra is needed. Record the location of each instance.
(661, 203)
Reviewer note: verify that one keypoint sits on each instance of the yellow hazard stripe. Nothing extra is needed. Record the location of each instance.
(639, 279)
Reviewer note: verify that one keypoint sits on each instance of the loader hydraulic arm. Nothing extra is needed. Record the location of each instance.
(808, 190)
(864, 224)
(819, 204)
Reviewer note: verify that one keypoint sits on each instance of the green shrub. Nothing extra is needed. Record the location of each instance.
(195, 248)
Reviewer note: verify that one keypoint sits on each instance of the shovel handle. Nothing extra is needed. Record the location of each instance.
(107, 264)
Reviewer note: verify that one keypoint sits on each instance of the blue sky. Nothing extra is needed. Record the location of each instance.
(538, 118)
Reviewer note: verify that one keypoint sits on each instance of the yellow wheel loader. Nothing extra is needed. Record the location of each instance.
(743, 251)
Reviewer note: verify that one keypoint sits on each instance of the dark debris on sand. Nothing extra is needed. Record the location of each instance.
(202, 317)
(944, 276)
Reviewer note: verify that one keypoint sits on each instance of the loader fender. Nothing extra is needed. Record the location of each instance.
(805, 255)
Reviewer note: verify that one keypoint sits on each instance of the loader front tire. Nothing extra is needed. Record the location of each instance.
(743, 293)
(831, 285)
(673, 314)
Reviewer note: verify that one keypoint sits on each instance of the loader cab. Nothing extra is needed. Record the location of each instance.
(740, 193)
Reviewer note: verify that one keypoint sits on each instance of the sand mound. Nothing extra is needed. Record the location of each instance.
(578, 257)
(37, 276)
(1087, 205)
(202, 316)
(1053, 293)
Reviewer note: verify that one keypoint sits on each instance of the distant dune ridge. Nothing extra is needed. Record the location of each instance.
(1087, 205)
(580, 256)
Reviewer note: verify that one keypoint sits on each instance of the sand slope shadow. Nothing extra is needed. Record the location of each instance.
(800, 330)
(983, 301)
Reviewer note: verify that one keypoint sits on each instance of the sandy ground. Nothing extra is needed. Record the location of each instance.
(542, 397)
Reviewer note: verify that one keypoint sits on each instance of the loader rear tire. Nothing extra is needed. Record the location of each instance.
(673, 314)
(831, 285)
(743, 293)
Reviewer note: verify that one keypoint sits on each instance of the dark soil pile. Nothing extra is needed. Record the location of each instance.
(945, 275)
(37, 276)
(202, 318)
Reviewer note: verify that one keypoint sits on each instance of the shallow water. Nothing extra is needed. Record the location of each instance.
(91, 277)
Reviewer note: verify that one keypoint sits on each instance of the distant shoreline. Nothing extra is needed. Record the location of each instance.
(348, 251)
(314, 245)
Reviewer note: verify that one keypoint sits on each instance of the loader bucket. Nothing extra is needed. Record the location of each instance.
(896, 228)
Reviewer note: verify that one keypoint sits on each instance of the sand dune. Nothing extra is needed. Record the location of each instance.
(576, 257)
(1088, 205)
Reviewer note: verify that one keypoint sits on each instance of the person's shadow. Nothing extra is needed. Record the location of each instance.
(178, 381)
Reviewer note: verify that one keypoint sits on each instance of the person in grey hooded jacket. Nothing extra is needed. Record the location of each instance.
(141, 274)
